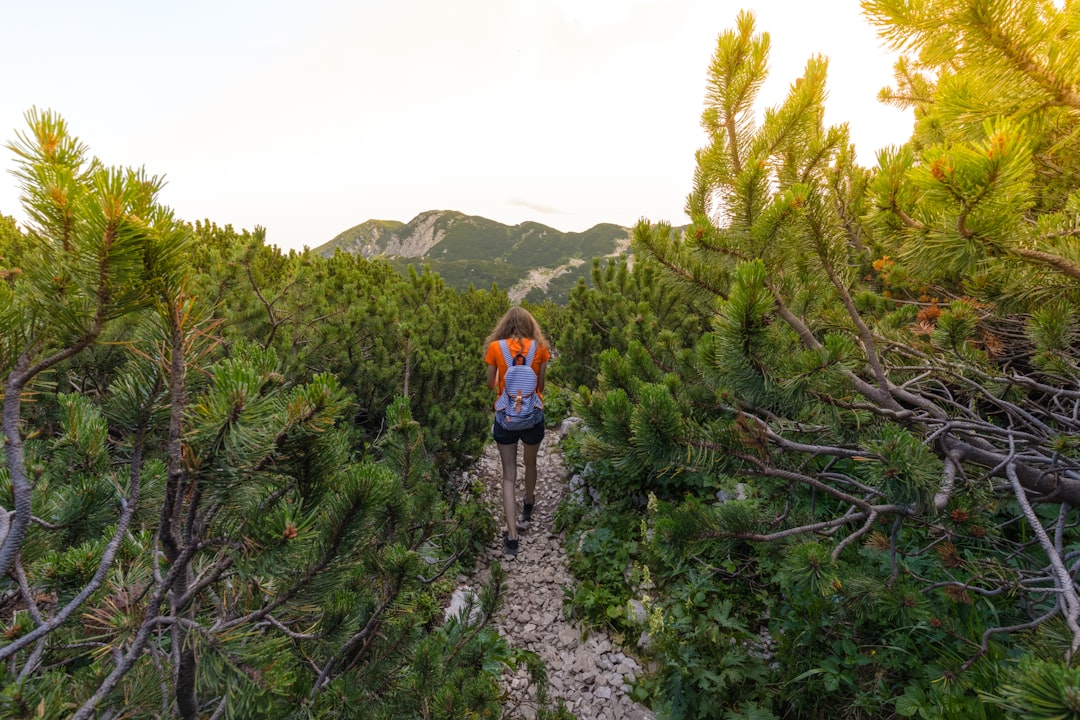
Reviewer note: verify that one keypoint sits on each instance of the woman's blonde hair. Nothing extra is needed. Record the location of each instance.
(517, 323)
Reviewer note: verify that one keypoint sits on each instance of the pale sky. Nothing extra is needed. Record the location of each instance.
(310, 117)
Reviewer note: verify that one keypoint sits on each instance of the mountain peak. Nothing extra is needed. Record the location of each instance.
(473, 250)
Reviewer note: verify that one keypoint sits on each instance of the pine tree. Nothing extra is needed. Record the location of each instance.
(103, 249)
(623, 307)
(199, 529)
(890, 370)
(381, 334)
(996, 108)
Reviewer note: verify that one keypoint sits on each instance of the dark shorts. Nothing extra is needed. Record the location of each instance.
(532, 436)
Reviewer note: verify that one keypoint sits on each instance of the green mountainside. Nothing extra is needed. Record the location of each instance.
(529, 259)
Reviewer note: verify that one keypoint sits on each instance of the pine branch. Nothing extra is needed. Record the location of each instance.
(867, 526)
(771, 471)
(1017, 55)
(1029, 383)
(150, 621)
(984, 644)
(283, 597)
(273, 622)
(906, 219)
(128, 507)
(790, 532)
(1048, 484)
(192, 589)
(1060, 234)
(981, 591)
(1054, 261)
(170, 512)
(885, 401)
(359, 640)
(447, 564)
(948, 482)
(35, 614)
(222, 706)
(21, 489)
(865, 336)
(812, 450)
(1064, 581)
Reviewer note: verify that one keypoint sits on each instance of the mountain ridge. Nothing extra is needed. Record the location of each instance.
(531, 260)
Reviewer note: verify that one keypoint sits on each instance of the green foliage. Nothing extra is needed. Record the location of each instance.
(843, 451)
(464, 274)
(603, 558)
(623, 305)
(715, 665)
(908, 473)
(381, 334)
(334, 546)
(1040, 690)
(234, 504)
(101, 249)
(1053, 331)
(12, 245)
(830, 425)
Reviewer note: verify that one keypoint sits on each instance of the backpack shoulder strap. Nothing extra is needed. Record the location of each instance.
(504, 346)
(531, 353)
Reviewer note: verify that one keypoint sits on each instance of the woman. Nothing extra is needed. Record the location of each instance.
(520, 331)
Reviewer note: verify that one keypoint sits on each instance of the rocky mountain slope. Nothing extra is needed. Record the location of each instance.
(529, 259)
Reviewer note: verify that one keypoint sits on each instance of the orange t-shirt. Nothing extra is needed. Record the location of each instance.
(495, 357)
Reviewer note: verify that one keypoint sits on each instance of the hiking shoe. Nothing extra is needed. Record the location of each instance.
(526, 512)
(510, 547)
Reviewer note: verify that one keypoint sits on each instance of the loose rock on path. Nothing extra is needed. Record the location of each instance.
(585, 670)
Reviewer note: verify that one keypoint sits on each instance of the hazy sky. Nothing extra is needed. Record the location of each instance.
(310, 117)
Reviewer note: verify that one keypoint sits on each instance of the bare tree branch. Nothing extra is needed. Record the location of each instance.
(1063, 580)
(128, 507)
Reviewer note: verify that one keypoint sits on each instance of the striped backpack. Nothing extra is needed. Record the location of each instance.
(519, 407)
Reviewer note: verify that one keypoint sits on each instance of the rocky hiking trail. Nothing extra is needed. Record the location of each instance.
(585, 670)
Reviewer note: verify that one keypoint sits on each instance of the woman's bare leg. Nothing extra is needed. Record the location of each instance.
(530, 471)
(508, 454)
